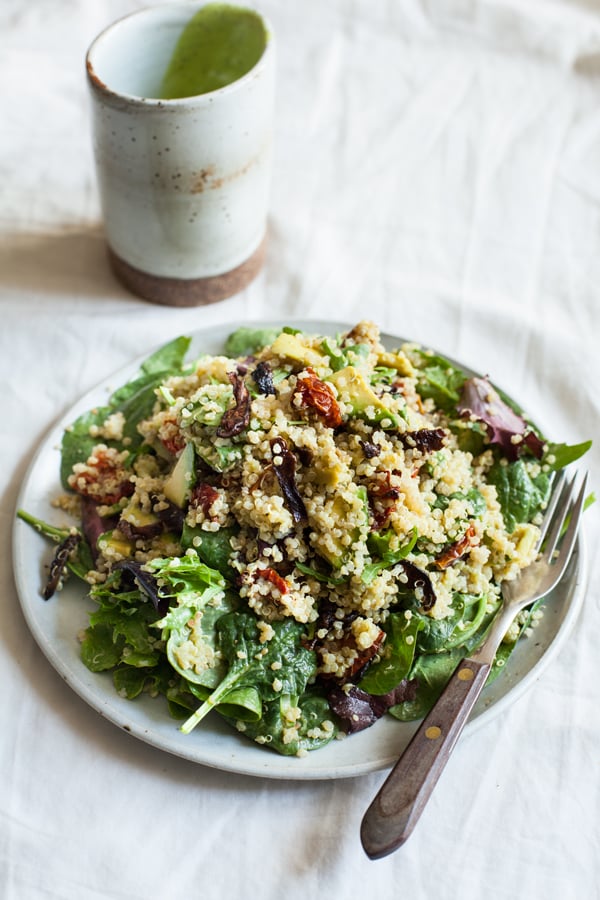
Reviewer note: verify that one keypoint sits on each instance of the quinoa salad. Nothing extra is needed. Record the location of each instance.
(300, 535)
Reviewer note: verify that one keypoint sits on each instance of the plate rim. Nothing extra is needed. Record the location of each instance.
(86, 684)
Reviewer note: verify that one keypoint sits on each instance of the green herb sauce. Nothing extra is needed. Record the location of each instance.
(219, 45)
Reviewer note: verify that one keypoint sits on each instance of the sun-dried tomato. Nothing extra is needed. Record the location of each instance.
(382, 500)
(203, 495)
(170, 436)
(458, 549)
(356, 664)
(102, 477)
(319, 396)
(274, 578)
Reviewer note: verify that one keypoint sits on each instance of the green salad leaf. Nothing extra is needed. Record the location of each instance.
(557, 456)
(134, 400)
(521, 495)
(292, 725)
(278, 665)
(397, 656)
(438, 379)
(245, 341)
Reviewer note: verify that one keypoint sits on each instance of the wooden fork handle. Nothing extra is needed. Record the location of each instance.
(397, 807)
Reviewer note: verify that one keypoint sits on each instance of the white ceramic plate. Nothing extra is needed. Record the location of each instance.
(56, 623)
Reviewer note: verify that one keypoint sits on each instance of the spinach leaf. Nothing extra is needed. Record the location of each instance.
(167, 358)
(190, 634)
(521, 496)
(432, 672)
(468, 615)
(557, 456)
(243, 704)
(100, 650)
(475, 498)
(134, 400)
(277, 666)
(397, 656)
(213, 547)
(246, 341)
(283, 730)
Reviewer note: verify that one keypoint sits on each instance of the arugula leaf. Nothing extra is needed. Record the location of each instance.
(520, 495)
(438, 379)
(340, 357)
(278, 666)
(187, 579)
(120, 631)
(389, 558)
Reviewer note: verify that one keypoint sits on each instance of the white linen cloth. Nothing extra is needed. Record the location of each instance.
(437, 169)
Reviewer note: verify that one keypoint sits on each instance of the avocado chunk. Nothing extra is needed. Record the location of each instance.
(289, 346)
(332, 549)
(112, 542)
(178, 486)
(353, 389)
(136, 521)
(397, 360)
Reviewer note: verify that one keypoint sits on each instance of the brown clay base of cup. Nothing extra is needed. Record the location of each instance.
(188, 292)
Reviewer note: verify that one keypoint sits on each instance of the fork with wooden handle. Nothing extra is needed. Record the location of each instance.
(393, 814)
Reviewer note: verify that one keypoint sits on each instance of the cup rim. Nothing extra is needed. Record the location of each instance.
(106, 91)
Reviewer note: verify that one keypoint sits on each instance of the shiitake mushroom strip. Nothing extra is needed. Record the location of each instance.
(236, 419)
(286, 476)
(59, 564)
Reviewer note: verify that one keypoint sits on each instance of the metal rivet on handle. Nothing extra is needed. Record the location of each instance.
(466, 674)
(433, 733)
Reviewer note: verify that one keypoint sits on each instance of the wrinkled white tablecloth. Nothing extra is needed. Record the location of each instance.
(437, 169)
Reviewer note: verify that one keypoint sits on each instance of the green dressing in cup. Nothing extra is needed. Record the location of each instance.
(219, 45)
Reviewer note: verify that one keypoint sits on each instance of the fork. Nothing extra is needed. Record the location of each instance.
(393, 814)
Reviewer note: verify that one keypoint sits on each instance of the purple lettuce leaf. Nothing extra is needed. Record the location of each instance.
(506, 428)
(359, 710)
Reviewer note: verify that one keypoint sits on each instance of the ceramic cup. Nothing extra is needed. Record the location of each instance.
(184, 184)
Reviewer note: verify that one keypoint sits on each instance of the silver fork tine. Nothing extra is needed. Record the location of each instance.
(559, 516)
(571, 533)
(557, 488)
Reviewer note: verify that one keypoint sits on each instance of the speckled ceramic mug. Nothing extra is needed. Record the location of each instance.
(184, 184)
